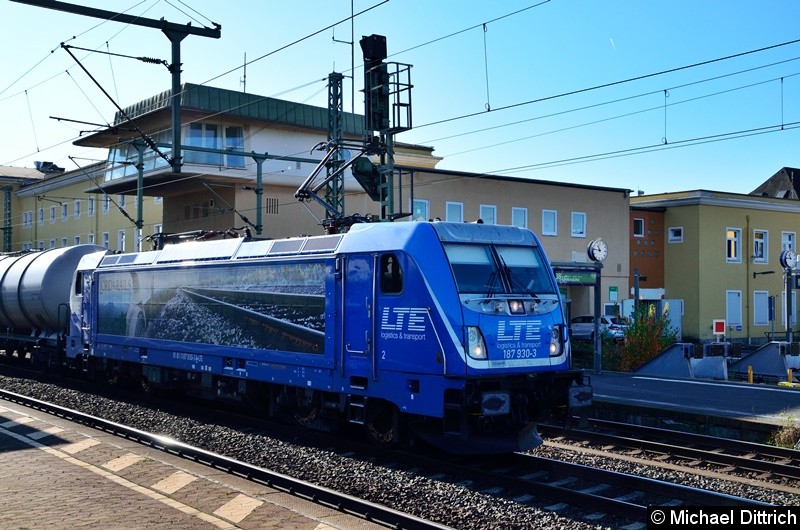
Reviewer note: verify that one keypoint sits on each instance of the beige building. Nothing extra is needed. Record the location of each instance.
(565, 217)
(236, 145)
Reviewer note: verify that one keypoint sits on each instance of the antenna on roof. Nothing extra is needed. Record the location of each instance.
(243, 80)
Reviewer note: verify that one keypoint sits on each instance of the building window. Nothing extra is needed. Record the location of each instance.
(27, 219)
(52, 243)
(90, 238)
(733, 308)
(578, 224)
(121, 240)
(419, 207)
(213, 136)
(105, 240)
(638, 227)
(454, 212)
(121, 201)
(549, 223)
(158, 200)
(519, 217)
(203, 135)
(63, 241)
(733, 245)
(788, 241)
(77, 209)
(41, 216)
(52, 215)
(488, 214)
(234, 142)
(64, 212)
(106, 203)
(90, 202)
(77, 240)
(760, 246)
(41, 245)
(675, 234)
(761, 308)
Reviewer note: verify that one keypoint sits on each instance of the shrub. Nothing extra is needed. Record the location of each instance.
(647, 335)
(789, 434)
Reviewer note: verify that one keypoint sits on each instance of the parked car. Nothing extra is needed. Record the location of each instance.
(582, 327)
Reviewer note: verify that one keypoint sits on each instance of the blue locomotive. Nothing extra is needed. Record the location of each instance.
(453, 333)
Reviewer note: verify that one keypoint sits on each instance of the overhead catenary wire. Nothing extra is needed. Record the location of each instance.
(653, 147)
(70, 39)
(33, 124)
(273, 52)
(529, 7)
(263, 56)
(611, 118)
(610, 84)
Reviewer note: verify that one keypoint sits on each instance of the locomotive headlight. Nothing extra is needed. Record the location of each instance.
(555, 341)
(476, 347)
(493, 306)
(516, 307)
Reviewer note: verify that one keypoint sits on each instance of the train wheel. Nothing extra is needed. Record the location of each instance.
(306, 407)
(104, 373)
(382, 423)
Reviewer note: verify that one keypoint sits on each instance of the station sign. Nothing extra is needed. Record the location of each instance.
(576, 277)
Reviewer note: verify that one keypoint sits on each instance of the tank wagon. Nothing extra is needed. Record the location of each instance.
(34, 296)
(449, 332)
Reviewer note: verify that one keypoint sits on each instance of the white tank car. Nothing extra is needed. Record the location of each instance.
(35, 287)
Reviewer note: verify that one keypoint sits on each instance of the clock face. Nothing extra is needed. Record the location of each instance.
(598, 250)
(788, 258)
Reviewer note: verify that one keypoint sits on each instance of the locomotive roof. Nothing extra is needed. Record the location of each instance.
(366, 237)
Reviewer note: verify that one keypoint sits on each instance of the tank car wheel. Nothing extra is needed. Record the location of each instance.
(382, 423)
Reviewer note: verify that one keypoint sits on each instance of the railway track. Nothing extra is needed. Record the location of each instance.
(522, 483)
(367, 511)
(524, 478)
(771, 465)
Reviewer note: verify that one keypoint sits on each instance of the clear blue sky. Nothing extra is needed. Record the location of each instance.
(559, 76)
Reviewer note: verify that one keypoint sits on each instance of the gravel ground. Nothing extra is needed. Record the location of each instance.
(450, 504)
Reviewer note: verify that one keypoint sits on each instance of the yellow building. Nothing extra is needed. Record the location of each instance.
(721, 257)
(55, 211)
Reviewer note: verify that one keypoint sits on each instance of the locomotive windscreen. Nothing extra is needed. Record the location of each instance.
(526, 270)
(492, 269)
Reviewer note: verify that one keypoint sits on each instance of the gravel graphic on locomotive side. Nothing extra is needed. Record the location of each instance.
(275, 306)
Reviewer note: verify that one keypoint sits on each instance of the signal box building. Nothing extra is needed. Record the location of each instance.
(244, 157)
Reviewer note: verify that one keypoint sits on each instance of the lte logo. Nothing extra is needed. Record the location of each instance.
(403, 318)
(518, 330)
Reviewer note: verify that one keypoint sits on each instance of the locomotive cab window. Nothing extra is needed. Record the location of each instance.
(391, 274)
(524, 267)
(78, 282)
(474, 268)
(490, 270)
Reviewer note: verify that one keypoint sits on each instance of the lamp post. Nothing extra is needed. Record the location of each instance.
(788, 261)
